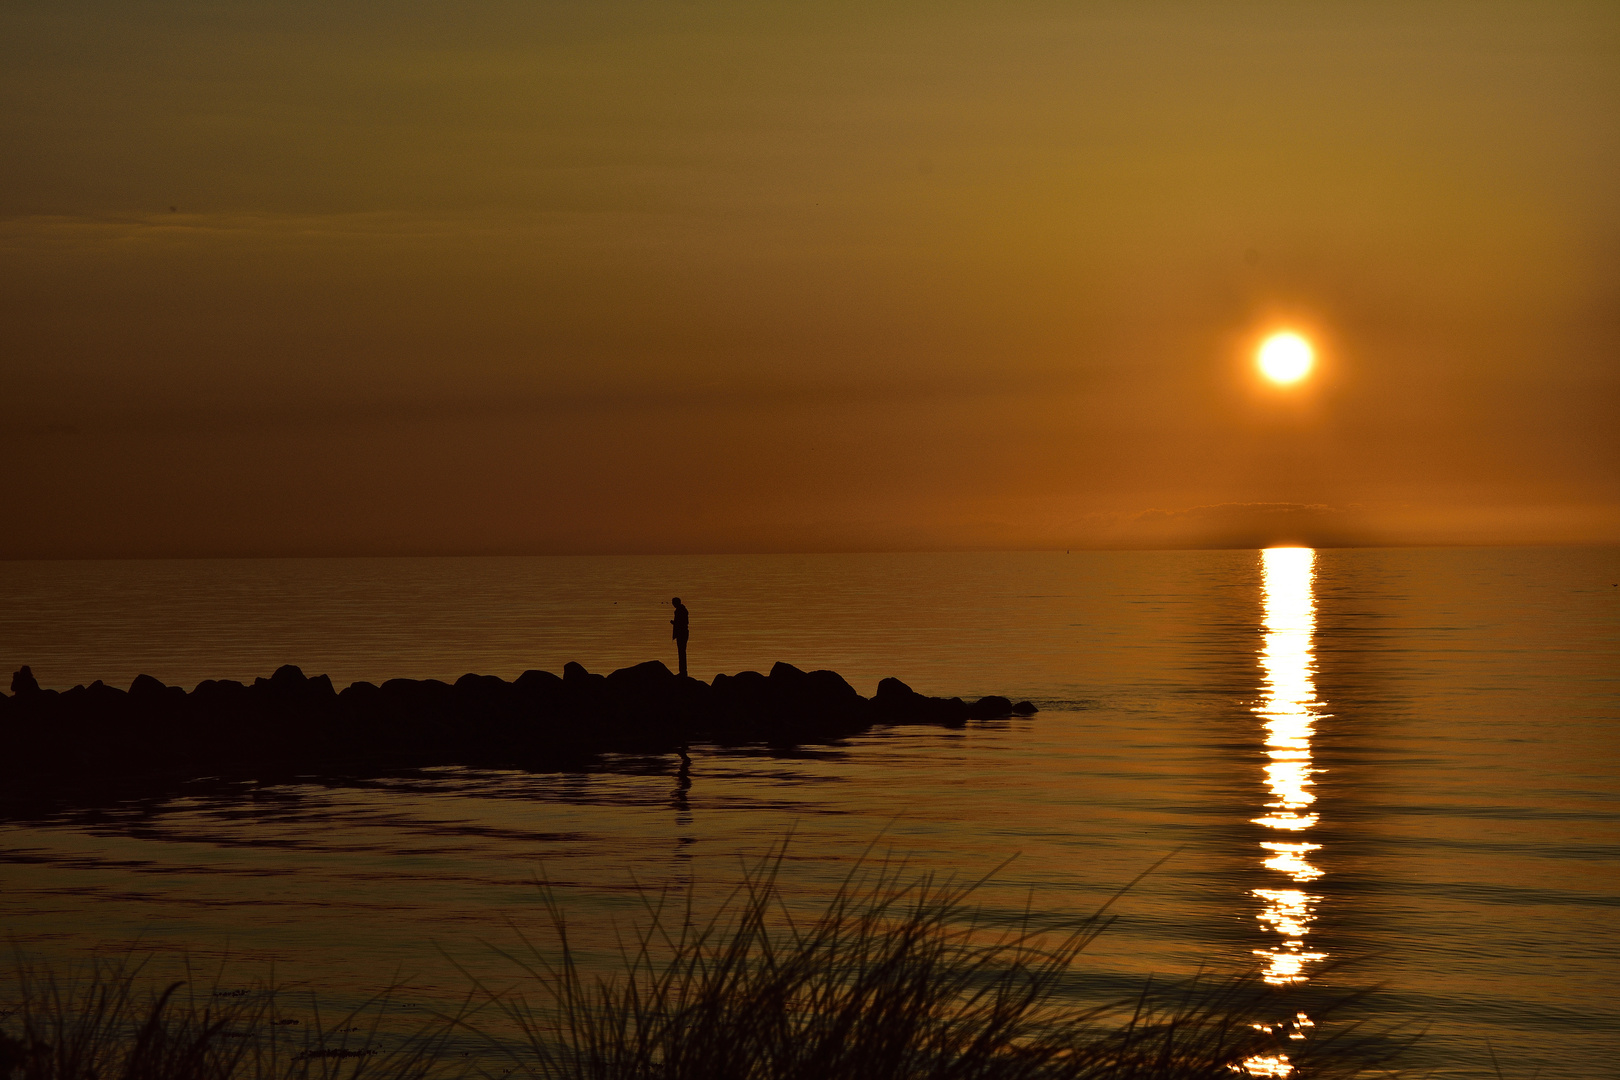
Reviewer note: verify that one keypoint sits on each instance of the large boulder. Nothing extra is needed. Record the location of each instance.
(583, 692)
(832, 687)
(147, 688)
(645, 679)
(288, 677)
(220, 691)
(291, 688)
(540, 691)
(893, 688)
(482, 691)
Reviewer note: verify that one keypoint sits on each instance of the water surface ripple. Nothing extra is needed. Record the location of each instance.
(1404, 760)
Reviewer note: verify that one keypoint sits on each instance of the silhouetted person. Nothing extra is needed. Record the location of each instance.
(23, 682)
(679, 623)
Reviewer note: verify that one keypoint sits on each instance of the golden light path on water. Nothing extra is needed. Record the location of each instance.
(1288, 709)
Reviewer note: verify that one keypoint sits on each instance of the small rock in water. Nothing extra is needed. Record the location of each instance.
(988, 708)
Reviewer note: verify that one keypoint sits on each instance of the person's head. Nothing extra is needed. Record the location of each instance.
(676, 601)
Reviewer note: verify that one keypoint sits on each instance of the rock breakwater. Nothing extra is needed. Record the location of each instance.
(298, 724)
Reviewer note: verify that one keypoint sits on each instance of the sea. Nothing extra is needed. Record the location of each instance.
(1391, 775)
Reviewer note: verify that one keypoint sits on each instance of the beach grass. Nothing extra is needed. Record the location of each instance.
(896, 976)
(113, 1018)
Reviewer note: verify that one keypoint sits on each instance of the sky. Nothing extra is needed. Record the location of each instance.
(300, 278)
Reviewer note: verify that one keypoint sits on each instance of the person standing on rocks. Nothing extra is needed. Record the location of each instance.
(679, 623)
(23, 682)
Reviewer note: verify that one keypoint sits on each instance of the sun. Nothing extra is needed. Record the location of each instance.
(1285, 357)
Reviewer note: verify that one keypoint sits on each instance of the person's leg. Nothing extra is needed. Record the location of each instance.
(680, 652)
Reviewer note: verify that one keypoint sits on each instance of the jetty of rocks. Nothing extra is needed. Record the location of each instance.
(291, 723)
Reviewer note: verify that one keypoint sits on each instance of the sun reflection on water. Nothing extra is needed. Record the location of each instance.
(1288, 709)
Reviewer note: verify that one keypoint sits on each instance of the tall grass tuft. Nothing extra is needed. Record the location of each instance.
(895, 978)
(112, 1020)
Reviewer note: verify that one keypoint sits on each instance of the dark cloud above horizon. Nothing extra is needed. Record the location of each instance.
(302, 278)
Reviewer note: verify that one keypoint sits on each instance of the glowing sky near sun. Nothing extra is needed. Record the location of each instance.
(545, 276)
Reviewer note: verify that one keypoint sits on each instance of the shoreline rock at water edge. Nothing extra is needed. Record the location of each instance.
(292, 722)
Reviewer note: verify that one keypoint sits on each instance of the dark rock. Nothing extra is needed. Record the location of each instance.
(482, 687)
(897, 703)
(744, 692)
(787, 673)
(399, 689)
(831, 686)
(105, 695)
(650, 676)
(791, 705)
(745, 687)
(894, 688)
(292, 723)
(539, 691)
(145, 686)
(534, 679)
(789, 689)
(1024, 708)
(289, 676)
(988, 708)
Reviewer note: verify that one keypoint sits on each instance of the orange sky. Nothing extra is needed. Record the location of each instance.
(688, 276)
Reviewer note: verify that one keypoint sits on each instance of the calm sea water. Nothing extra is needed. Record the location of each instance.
(1401, 759)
